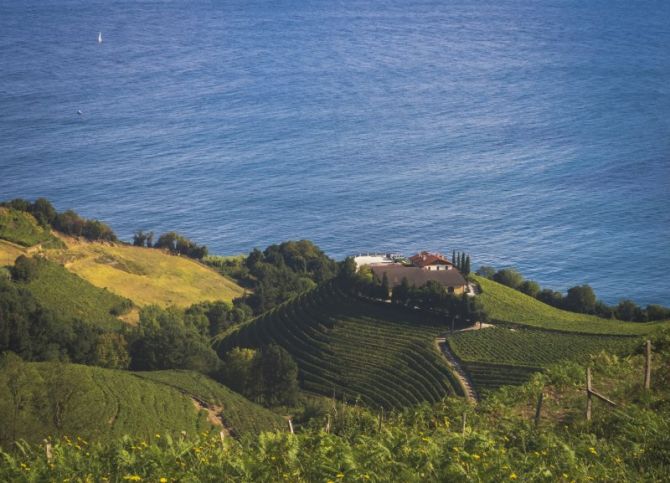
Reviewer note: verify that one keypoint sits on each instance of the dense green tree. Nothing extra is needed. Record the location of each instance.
(401, 292)
(530, 288)
(237, 371)
(277, 376)
(625, 310)
(43, 211)
(509, 277)
(580, 299)
(25, 268)
(466, 266)
(111, 351)
(550, 297)
(486, 271)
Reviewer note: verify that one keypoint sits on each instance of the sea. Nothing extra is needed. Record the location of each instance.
(530, 134)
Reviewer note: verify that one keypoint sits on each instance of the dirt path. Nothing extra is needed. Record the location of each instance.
(470, 393)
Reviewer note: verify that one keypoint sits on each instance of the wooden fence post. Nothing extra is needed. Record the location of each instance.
(589, 401)
(222, 435)
(538, 409)
(465, 419)
(290, 425)
(47, 450)
(647, 366)
(328, 424)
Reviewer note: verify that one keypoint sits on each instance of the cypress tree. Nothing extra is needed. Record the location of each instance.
(466, 270)
(453, 257)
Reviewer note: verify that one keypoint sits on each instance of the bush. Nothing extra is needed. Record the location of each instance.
(25, 269)
(509, 277)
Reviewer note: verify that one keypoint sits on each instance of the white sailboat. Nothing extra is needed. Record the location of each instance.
(99, 37)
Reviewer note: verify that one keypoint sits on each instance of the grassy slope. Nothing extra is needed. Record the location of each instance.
(508, 305)
(109, 403)
(353, 348)
(21, 228)
(146, 276)
(73, 297)
(238, 413)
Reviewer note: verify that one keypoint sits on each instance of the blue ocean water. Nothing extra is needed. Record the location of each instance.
(530, 134)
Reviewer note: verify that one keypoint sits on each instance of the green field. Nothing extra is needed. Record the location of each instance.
(98, 403)
(21, 228)
(72, 297)
(505, 304)
(499, 356)
(353, 348)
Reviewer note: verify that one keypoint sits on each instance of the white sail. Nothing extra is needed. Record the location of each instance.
(99, 37)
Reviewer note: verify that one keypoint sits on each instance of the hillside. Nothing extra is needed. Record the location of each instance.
(145, 275)
(499, 356)
(94, 403)
(505, 304)
(353, 348)
(21, 228)
(9, 252)
(71, 297)
(496, 441)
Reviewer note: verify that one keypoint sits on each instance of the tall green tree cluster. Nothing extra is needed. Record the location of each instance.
(283, 271)
(178, 244)
(461, 261)
(268, 376)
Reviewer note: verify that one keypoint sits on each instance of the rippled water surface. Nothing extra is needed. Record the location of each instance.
(532, 134)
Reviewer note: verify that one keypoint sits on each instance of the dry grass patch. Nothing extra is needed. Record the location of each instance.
(144, 275)
(9, 252)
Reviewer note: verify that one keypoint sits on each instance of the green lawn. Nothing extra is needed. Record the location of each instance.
(505, 304)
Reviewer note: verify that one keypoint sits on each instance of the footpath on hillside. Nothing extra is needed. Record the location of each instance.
(459, 372)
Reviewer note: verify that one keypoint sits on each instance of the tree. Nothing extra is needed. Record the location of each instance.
(530, 288)
(625, 310)
(466, 266)
(111, 351)
(236, 371)
(401, 292)
(580, 299)
(486, 271)
(550, 297)
(43, 211)
(509, 277)
(277, 373)
(25, 269)
(384, 288)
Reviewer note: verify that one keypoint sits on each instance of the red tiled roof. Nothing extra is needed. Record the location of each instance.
(424, 259)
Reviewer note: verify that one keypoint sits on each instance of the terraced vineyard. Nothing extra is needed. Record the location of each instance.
(98, 403)
(238, 413)
(500, 356)
(354, 348)
(505, 304)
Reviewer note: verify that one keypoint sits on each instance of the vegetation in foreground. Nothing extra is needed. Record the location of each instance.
(450, 441)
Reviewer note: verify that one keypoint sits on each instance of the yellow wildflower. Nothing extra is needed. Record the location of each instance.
(340, 475)
(476, 457)
(593, 451)
(513, 476)
(132, 478)
(163, 480)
